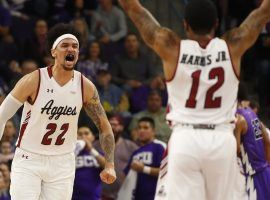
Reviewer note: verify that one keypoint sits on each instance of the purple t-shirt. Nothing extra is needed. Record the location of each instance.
(87, 183)
(151, 155)
(252, 146)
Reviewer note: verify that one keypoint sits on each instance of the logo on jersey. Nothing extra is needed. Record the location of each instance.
(50, 90)
(144, 157)
(24, 156)
(86, 161)
(256, 125)
(55, 111)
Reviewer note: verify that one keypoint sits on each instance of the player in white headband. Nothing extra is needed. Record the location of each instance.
(65, 50)
(44, 164)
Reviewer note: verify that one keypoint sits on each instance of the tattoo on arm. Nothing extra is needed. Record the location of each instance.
(96, 112)
(161, 39)
(147, 25)
(249, 30)
(108, 145)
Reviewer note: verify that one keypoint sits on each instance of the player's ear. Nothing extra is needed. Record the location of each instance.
(53, 53)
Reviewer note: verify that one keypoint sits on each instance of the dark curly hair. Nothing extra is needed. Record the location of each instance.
(201, 16)
(58, 30)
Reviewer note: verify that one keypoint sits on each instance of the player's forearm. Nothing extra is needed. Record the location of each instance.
(107, 143)
(259, 17)
(143, 20)
(96, 112)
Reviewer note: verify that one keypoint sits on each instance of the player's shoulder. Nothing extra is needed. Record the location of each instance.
(88, 88)
(241, 123)
(30, 80)
(240, 119)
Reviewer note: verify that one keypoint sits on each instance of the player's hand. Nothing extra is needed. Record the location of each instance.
(108, 174)
(137, 166)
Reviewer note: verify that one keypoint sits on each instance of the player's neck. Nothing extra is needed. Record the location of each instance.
(203, 40)
(61, 75)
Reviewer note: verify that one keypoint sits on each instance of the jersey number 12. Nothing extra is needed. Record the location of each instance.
(210, 102)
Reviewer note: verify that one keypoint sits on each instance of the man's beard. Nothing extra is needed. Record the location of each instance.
(67, 68)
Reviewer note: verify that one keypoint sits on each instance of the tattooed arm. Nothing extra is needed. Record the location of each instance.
(162, 40)
(243, 37)
(96, 112)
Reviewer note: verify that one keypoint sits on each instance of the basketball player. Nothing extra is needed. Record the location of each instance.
(202, 79)
(44, 162)
(253, 145)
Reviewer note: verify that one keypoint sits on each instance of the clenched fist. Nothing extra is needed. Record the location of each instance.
(108, 174)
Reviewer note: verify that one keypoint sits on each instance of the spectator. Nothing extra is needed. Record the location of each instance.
(146, 160)
(4, 195)
(89, 164)
(7, 153)
(90, 65)
(81, 8)
(5, 20)
(123, 151)
(155, 111)
(5, 169)
(16, 8)
(81, 27)
(10, 133)
(109, 26)
(35, 45)
(136, 73)
(132, 68)
(111, 96)
(26, 67)
(8, 51)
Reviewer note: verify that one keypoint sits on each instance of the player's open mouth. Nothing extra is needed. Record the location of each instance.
(70, 57)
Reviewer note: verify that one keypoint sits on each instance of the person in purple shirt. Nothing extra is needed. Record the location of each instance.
(146, 160)
(89, 164)
(253, 146)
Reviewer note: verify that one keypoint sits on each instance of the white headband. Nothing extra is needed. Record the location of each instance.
(62, 37)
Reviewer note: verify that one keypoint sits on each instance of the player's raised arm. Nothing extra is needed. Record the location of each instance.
(162, 40)
(95, 110)
(243, 37)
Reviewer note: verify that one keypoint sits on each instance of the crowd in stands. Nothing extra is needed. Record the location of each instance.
(126, 73)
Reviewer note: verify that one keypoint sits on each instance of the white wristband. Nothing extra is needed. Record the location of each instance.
(94, 152)
(146, 170)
